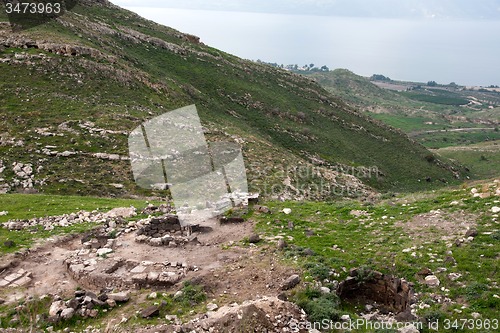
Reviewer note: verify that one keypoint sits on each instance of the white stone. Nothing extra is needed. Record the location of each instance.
(495, 210)
(124, 212)
(345, 318)
(212, 307)
(287, 210)
(432, 281)
(475, 315)
(119, 297)
(103, 251)
(56, 307)
(67, 313)
(325, 290)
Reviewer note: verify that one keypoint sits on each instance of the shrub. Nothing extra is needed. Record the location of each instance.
(318, 306)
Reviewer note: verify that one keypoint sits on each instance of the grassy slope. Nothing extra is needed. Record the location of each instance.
(383, 240)
(25, 206)
(482, 159)
(404, 111)
(410, 111)
(281, 115)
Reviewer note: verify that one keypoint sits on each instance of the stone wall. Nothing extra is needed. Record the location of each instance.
(164, 231)
(394, 294)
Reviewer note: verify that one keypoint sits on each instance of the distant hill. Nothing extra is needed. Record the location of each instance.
(73, 89)
(422, 110)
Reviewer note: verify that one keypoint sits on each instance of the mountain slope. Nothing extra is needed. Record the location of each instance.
(73, 89)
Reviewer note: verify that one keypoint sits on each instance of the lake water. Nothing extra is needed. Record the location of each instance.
(465, 52)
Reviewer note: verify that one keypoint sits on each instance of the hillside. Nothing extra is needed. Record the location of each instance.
(72, 89)
(454, 121)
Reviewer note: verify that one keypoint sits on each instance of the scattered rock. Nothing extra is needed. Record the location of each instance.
(471, 233)
(153, 295)
(262, 209)
(308, 252)
(254, 238)
(287, 211)
(432, 281)
(454, 276)
(291, 282)
(424, 272)
(450, 260)
(152, 311)
(104, 251)
(124, 212)
(119, 297)
(325, 290)
(282, 244)
(56, 308)
(495, 210)
(67, 313)
(212, 307)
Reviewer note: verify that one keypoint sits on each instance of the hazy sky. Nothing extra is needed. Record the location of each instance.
(463, 9)
(416, 40)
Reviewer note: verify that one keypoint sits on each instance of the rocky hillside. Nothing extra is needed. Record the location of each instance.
(72, 90)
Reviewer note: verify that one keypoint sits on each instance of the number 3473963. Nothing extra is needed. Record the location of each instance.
(32, 8)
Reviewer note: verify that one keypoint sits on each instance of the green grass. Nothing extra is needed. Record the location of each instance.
(436, 96)
(284, 118)
(27, 206)
(410, 124)
(482, 159)
(340, 241)
(449, 139)
(412, 111)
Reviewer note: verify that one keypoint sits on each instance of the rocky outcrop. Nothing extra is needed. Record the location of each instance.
(266, 314)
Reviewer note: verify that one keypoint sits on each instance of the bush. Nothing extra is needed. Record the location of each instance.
(192, 294)
(318, 306)
(433, 316)
(430, 158)
(318, 271)
(475, 290)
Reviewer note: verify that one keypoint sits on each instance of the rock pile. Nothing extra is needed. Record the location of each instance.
(164, 231)
(152, 209)
(84, 304)
(268, 314)
(109, 219)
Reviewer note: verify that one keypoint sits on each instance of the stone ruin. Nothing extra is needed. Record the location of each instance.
(389, 293)
(165, 231)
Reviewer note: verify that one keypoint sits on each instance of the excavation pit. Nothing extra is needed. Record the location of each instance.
(386, 293)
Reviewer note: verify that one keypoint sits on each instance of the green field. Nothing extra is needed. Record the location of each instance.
(482, 159)
(436, 96)
(27, 206)
(450, 139)
(382, 239)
